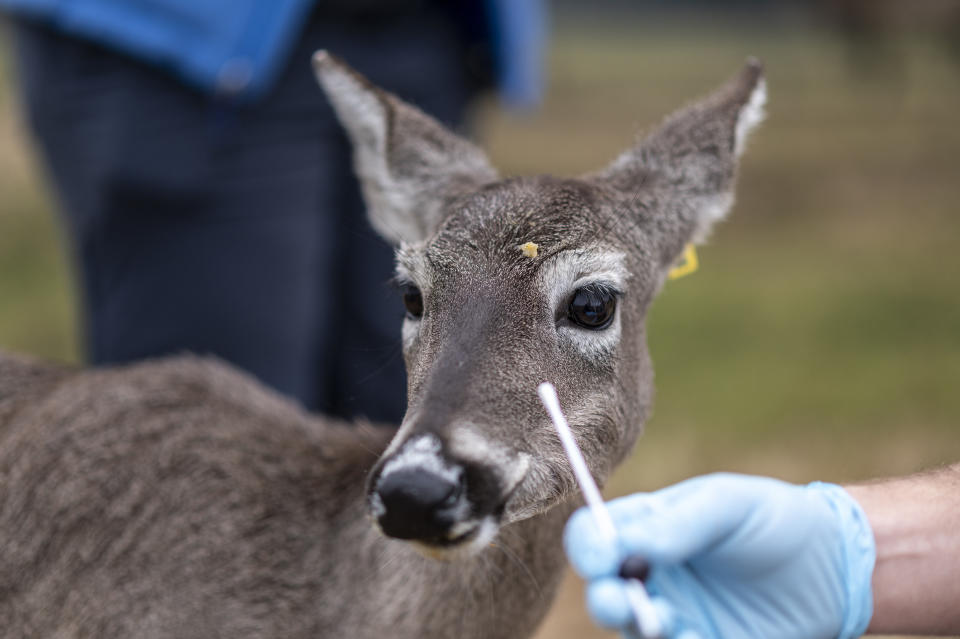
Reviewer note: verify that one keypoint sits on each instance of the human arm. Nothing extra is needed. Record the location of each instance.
(916, 524)
(746, 556)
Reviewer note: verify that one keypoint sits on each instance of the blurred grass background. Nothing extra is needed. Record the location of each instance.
(820, 338)
(37, 310)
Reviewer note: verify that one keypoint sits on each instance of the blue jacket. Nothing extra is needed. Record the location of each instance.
(237, 47)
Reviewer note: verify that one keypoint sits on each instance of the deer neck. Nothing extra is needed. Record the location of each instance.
(505, 591)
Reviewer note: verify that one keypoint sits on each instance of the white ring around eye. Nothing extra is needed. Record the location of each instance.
(410, 332)
(596, 346)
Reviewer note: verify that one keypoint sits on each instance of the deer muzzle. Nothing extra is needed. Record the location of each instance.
(423, 493)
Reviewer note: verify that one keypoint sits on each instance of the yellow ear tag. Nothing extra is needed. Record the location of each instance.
(687, 265)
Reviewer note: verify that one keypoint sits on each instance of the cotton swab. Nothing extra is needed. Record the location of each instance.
(647, 621)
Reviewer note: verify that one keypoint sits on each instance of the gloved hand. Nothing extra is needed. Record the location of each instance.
(734, 556)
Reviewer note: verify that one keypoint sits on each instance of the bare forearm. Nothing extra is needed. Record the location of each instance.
(916, 523)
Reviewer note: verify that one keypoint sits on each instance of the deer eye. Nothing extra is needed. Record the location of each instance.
(412, 300)
(592, 306)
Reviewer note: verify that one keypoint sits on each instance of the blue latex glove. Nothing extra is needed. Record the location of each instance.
(734, 556)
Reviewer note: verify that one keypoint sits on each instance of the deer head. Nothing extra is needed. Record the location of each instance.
(509, 282)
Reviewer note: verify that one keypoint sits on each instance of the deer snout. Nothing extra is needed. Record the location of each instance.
(424, 493)
(418, 504)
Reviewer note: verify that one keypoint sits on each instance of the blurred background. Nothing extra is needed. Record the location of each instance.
(820, 338)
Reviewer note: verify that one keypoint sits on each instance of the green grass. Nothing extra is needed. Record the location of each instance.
(36, 307)
(36, 300)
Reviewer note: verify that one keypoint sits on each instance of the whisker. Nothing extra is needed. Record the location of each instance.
(518, 562)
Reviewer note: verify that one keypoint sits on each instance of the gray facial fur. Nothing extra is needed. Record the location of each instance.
(491, 330)
(179, 498)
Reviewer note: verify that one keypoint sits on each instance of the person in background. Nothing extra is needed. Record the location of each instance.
(754, 557)
(208, 190)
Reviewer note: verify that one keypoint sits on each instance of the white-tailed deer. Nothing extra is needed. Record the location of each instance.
(178, 498)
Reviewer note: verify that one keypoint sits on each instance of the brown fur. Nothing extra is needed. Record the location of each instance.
(179, 498)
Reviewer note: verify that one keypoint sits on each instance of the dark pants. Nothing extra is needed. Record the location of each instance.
(234, 230)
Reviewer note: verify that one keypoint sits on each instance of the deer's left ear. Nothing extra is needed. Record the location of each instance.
(682, 175)
(409, 165)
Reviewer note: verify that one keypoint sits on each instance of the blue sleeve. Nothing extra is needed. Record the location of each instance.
(233, 47)
(237, 47)
(519, 31)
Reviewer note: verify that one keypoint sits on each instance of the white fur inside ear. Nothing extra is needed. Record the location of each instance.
(751, 114)
(711, 210)
(364, 115)
(357, 107)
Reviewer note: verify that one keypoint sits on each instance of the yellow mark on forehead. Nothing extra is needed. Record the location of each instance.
(529, 249)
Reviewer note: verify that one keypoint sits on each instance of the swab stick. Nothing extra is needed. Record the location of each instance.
(646, 616)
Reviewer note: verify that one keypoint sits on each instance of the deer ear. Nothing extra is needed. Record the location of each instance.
(682, 175)
(409, 165)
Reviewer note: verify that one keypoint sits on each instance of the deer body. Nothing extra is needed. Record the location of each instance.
(221, 497)
(178, 498)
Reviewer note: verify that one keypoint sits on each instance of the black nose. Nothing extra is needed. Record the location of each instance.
(417, 504)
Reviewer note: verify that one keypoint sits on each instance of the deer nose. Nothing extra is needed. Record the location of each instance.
(417, 503)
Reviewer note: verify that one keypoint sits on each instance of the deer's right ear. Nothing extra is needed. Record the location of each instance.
(683, 173)
(409, 165)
